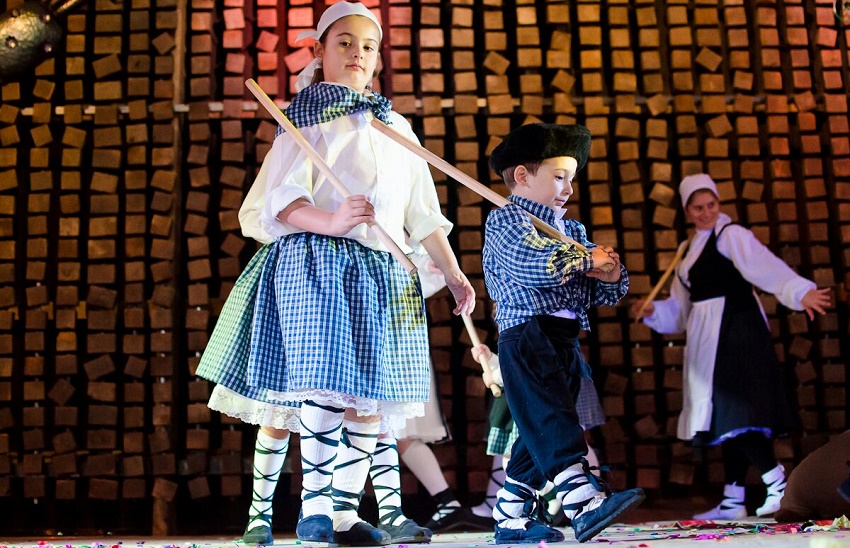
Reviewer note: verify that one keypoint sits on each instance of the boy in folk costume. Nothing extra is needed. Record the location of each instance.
(543, 288)
(733, 393)
(338, 326)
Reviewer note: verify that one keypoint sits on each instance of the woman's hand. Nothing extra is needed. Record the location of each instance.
(462, 291)
(816, 300)
(353, 211)
(605, 257)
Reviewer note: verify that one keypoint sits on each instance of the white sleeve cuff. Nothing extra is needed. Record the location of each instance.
(276, 201)
(427, 226)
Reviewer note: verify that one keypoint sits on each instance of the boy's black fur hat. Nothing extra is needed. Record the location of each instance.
(538, 142)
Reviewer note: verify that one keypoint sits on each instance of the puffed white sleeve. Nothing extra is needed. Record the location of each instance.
(422, 211)
(249, 213)
(290, 177)
(671, 314)
(759, 266)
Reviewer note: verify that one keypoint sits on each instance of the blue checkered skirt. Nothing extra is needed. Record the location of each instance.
(338, 322)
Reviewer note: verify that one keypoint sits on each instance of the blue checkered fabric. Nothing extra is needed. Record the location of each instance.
(334, 315)
(528, 274)
(590, 415)
(225, 359)
(323, 102)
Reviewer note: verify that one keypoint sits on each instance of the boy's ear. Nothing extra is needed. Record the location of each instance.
(521, 175)
(318, 49)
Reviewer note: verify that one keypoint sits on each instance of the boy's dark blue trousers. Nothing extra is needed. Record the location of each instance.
(542, 366)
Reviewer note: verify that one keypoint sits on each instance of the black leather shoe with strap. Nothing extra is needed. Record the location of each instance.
(408, 531)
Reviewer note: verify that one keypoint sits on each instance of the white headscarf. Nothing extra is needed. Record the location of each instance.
(692, 183)
(328, 18)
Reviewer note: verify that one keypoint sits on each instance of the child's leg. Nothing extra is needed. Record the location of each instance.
(496, 482)
(386, 480)
(349, 478)
(269, 455)
(321, 426)
(419, 458)
(517, 511)
(542, 368)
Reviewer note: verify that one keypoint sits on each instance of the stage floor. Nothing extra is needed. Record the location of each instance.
(646, 535)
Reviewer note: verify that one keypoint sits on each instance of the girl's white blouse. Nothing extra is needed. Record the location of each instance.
(396, 182)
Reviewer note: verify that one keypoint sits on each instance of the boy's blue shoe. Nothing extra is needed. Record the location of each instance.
(260, 535)
(362, 534)
(534, 531)
(590, 523)
(318, 528)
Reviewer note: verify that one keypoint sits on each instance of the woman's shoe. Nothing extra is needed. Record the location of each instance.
(731, 508)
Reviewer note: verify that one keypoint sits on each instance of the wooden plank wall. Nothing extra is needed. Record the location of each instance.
(124, 159)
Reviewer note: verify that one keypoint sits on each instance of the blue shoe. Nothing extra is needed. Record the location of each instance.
(534, 532)
(590, 523)
(362, 534)
(318, 528)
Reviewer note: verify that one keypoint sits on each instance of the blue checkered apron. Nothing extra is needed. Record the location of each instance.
(336, 318)
(225, 359)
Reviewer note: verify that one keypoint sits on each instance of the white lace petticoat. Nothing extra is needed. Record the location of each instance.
(394, 415)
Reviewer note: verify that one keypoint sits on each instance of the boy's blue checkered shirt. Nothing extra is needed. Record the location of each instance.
(528, 274)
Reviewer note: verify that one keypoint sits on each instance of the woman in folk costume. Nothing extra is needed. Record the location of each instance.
(338, 326)
(733, 390)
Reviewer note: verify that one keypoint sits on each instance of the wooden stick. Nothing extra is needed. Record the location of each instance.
(488, 378)
(466, 180)
(305, 146)
(678, 257)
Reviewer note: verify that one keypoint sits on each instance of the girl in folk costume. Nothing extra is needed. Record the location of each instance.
(338, 340)
(733, 390)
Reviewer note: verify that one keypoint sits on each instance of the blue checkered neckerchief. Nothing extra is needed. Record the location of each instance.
(323, 102)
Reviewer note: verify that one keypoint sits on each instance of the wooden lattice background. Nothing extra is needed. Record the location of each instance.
(124, 160)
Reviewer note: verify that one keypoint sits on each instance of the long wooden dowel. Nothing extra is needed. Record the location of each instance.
(652, 294)
(466, 180)
(322, 166)
(473, 336)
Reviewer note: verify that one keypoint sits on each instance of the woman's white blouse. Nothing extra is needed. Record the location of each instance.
(395, 181)
(756, 263)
